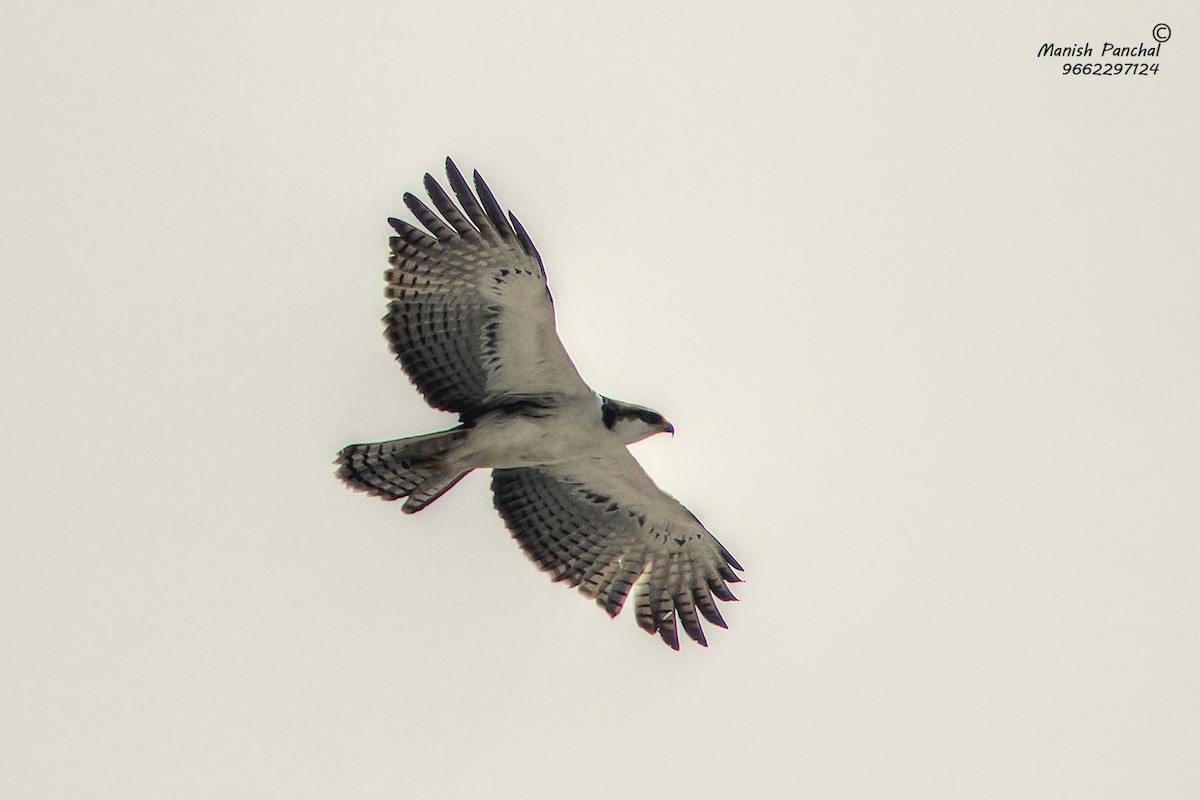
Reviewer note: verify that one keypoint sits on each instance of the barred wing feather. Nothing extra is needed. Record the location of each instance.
(470, 317)
(602, 525)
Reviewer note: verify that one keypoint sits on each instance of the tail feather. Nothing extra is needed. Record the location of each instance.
(415, 468)
(429, 491)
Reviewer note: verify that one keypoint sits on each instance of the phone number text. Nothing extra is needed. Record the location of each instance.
(1127, 68)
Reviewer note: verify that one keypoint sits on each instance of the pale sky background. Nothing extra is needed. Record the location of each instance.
(925, 313)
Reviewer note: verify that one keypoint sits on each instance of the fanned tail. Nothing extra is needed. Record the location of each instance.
(415, 468)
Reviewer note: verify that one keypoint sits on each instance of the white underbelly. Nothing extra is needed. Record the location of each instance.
(521, 441)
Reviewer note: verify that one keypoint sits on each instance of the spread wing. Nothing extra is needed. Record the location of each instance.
(602, 525)
(470, 317)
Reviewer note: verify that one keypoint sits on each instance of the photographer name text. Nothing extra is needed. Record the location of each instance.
(1109, 49)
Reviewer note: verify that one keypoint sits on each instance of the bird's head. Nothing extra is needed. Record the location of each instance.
(632, 423)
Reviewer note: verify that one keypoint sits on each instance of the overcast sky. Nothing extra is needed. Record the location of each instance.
(923, 310)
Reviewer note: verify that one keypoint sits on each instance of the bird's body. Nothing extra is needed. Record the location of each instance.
(536, 436)
(471, 320)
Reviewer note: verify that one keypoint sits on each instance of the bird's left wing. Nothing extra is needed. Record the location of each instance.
(602, 525)
(470, 317)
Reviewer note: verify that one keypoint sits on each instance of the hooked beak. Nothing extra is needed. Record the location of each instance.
(669, 429)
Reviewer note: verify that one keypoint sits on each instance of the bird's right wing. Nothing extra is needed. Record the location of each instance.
(470, 317)
(602, 525)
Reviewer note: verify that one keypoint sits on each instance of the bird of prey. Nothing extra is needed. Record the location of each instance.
(471, 321)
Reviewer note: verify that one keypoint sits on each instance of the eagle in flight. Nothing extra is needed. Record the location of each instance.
(471, 321)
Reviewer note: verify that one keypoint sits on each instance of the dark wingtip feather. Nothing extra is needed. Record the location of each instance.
(407, 233)
(691, 626)
(449, 211)
(720, 590)
(466, 198)
(668, 633)
(729, 559)
(414, 203)
(523, 237)
(704, 602)
(426, 217)
(492, 207)
(457, 181)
